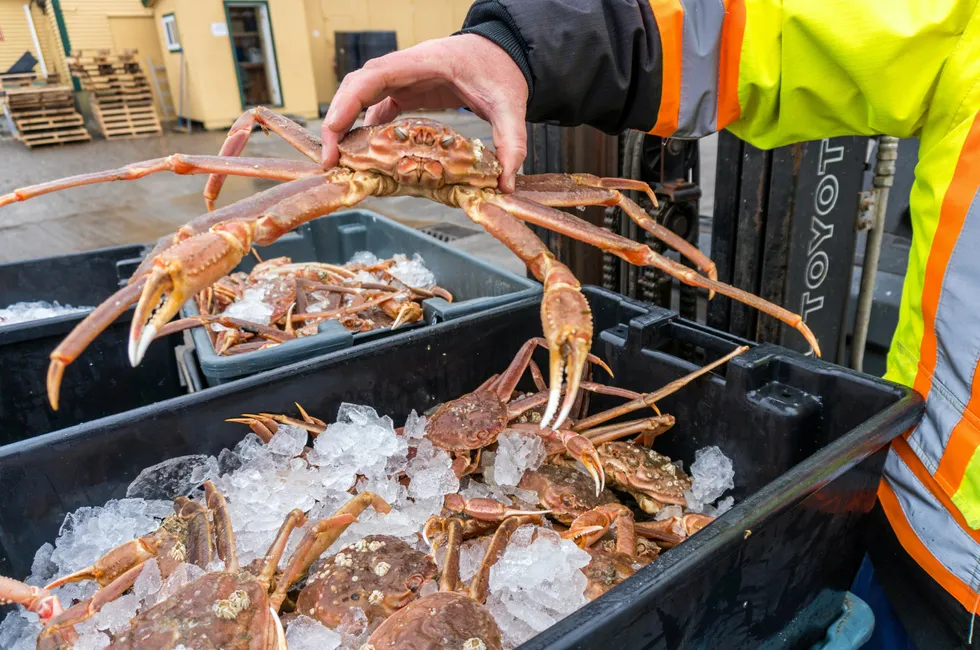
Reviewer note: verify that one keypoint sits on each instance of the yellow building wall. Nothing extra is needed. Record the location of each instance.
(414, 21)
(211, 87)
(17, 37)
(87, 21)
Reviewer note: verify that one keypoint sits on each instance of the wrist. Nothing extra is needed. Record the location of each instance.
(489, 19)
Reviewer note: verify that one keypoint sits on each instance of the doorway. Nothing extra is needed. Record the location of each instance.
(254, 52)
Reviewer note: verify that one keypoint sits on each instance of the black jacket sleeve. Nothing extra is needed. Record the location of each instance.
(595, 62)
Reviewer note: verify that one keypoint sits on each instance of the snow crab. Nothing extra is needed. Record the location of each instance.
(235, 608)
(379, 574)
(300, 297)
(407, 157)
(455, 616)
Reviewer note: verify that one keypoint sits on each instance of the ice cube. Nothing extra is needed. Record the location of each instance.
(19, 630)
(516, 453)
(669, 511)
(250, 307)
(712, 474)
(535, 583)
(91, 640)
(115, 616)
(413, 272)
(304, 633)
(170, 479)
(148, 583)
(289, 441)
(363, 258)
(353, 628)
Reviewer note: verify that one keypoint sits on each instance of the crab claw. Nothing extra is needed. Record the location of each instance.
(410, 312)
(180, 272)
(40, 601)
(581, 449)
(567, 321)
(582, 535)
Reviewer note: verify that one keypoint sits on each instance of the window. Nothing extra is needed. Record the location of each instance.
(170, 32)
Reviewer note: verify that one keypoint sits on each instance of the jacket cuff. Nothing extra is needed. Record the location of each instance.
(491, 20)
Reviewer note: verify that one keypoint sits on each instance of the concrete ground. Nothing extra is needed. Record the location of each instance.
(97, 216)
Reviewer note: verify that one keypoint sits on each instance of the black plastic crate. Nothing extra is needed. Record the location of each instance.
(474, 284)
(807, 440)
(102, 381)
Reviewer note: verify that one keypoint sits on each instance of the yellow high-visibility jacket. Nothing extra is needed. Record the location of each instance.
(777, 72)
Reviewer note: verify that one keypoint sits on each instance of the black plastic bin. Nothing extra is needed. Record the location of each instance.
(807, 440)
(474, 284)
(101, 382)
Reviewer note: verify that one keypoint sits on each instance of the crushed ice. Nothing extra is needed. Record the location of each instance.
(535, 583)
(712, 475)
(413, 272)
(24, 312)
(250, 307)
(516, 453)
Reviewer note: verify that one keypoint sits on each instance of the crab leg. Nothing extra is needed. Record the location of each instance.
(333, 527)
(302, 140)
(640, 255)
(673, 530)
(95, 323)
(178, 163)
(567, 191)
(565, 314)
(649, 427)
(244, 209)
(485, 509)
(266, 332)
(651, 398)
(480, 584)
(183, 270)
(270, 562)
(40, 601)
(322, 540)
(508, 380)
(528, 402)
(63, 624)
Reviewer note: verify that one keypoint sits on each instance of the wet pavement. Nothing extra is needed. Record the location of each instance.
(96, 216)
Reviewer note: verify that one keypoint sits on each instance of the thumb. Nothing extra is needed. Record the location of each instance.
(510, 142)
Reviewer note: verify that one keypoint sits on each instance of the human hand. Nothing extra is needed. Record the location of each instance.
(464, 71)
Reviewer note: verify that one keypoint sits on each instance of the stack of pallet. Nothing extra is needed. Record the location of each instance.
(41, 113)
(122, 100)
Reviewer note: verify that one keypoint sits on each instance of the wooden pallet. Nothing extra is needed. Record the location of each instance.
(122, 99)
(45, 115)
(125, 121)
(21, 80)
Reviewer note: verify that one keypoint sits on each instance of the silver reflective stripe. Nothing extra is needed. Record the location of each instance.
(698, 115)
(957, 344)
(952, 546)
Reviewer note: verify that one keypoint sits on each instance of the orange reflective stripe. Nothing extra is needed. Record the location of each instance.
(914, 547)
(912, 461)
(957, 201)
(731, 55)
(962, 443)
(669, 15)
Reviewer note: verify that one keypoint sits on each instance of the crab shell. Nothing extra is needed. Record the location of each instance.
(218, 610)
(651, 478)
(380, 574)
(444, 620)
(564, 490)
(471, 422)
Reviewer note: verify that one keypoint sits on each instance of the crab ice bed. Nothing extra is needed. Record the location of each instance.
(535, 583)
(266, 285)
(26, 312)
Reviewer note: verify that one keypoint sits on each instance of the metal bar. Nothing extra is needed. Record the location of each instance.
(884, 176)
(37, 44)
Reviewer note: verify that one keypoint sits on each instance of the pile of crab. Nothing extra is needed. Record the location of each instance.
(280, 300)
(468, 527)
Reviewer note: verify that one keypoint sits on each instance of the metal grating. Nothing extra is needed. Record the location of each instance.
(447, 232)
